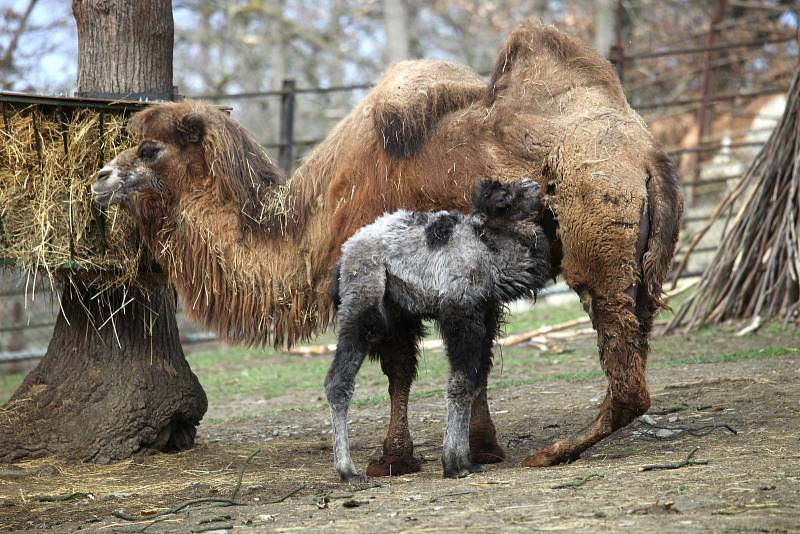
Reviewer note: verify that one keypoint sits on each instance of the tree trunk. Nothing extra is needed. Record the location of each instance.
(603, 25)
(124, 47)
(398, 41)
(109, 393)
(114, 381)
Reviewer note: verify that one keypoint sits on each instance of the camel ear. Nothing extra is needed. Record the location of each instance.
(190, 128)
(500, 199)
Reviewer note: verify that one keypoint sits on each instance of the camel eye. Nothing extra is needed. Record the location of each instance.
(149, 151)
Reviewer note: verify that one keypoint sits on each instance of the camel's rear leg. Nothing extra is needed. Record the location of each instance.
(621, 339)
(483, 445)
(398, 356)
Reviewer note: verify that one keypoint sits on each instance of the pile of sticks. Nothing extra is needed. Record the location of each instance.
(756, 271)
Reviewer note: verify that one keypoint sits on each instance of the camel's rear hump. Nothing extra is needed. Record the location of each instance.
(541, 59)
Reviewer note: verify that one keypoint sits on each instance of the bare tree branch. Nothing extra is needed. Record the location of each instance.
(6, 62)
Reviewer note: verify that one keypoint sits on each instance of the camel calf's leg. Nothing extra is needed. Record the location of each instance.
(359, 327)
(620, 339)
(398, 356)
(464, 335)
(483, 445)
(339, 386)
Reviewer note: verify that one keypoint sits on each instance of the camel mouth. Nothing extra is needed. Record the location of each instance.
(107, 192)
(105, 195)
(111, 186)
(105, 199)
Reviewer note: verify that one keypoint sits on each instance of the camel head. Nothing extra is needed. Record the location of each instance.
(167, 158)
(188, 147)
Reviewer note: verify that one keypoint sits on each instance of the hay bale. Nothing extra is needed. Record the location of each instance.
(48, 159)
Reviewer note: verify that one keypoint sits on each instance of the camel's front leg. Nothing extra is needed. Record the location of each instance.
(398, 356)
(622, 341)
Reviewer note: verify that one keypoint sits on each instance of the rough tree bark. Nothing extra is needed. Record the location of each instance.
(398, 40)
(114, 381)
(109, 393)
(124, 47)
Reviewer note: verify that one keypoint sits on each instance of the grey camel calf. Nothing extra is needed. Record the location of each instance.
(458, 270)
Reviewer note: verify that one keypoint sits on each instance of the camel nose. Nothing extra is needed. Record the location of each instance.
(102, 183)
(103, 173)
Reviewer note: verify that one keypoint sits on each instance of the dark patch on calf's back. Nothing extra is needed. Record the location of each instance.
(440, 230)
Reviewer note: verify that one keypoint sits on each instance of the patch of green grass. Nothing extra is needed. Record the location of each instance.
(740, 355)
(543, 315)
(9, 384)
(777, 328)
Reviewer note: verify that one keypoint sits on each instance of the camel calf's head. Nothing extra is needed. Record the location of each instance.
(167, 159)
(504, 203)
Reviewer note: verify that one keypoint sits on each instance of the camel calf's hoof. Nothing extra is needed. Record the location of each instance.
(460, 470)
(350, 478)
(393, 466)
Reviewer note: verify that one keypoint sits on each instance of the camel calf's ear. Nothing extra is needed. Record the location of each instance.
(491, 197)
(190, 129)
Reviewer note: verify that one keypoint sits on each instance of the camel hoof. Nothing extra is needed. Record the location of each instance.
(352, 478)
(544, 458)
(462, 471)
(492, 453)
(392, 466)
(456, 473)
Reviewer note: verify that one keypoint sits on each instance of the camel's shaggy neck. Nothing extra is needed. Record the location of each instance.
(251, 286)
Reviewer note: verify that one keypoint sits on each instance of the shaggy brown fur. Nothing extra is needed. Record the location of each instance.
(553, 111)
(406, 118)
(217, 222)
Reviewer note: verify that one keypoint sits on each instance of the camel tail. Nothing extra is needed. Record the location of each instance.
(665, 209)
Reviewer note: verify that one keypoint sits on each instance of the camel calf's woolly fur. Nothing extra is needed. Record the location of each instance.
(458, 270)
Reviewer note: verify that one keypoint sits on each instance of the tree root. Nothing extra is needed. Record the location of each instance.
(676, 465)
(175, 509)
(678, 430)
(578, 483)
(231, 501)
(290, 494)
(63, 498)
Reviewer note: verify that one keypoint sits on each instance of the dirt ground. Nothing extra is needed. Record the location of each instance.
(750, 483)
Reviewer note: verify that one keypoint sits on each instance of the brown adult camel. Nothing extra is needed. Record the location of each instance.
(250, 251)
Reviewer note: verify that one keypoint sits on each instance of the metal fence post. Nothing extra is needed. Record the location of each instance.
(704, 113)
(16, 338)
(286, 152)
